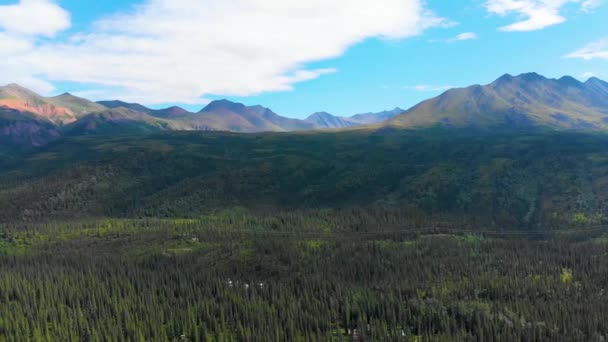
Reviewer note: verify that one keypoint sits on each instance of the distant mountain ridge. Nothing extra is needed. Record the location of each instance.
(30, 119)
(527, 101)
(325, 120)
(171, 112)
(372, 118)
(236, 117)
(523, 102)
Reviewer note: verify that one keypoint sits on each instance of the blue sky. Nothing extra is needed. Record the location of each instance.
(296, 59)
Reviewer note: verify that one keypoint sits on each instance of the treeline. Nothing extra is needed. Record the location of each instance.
(153, 280)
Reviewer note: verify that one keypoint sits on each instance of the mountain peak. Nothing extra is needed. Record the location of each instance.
(326, 120)
(223, 104)
(320, 114)
(527, 101)
(595, 80)
(569, 81)
(504, 78)
(531, 76)
(66, 95)
(171, 112)
(15, 86)
(176, 108)
(18, 89)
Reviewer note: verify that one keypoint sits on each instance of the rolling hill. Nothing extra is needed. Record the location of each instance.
(527, 101)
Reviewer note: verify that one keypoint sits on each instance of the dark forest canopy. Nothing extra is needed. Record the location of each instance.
(232, 276)
(535, 179)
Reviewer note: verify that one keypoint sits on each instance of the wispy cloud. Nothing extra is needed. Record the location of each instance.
(535, 14)
(590, 5)
(429, 88)
(593, 50)
(588, 74)
(463, 36)
(181, 50)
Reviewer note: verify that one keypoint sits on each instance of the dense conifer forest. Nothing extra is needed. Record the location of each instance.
(358, 236)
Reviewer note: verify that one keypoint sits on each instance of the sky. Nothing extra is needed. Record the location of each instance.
(295, 57)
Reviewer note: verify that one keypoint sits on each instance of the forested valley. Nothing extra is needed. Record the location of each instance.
(358, 236)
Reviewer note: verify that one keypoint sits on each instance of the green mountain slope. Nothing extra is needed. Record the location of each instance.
(119, 121)
(506, 179)
(78, 105)
(528, 101)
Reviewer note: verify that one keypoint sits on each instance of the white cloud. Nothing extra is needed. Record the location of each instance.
(587, 75)
(34, 17)
(13, 45)
(463, 36)
(535, 14)
(597, 49)
(430, 88)
(590, 5)
(180, 50)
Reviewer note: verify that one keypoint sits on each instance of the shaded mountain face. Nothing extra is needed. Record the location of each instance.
(323, 120)
(60, 109)
(25, 129)
(226, 115)
(326, 120)
(372, 118)
(527, 101)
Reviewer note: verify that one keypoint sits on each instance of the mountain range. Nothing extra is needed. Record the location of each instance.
(27, 118)
(528, 101)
